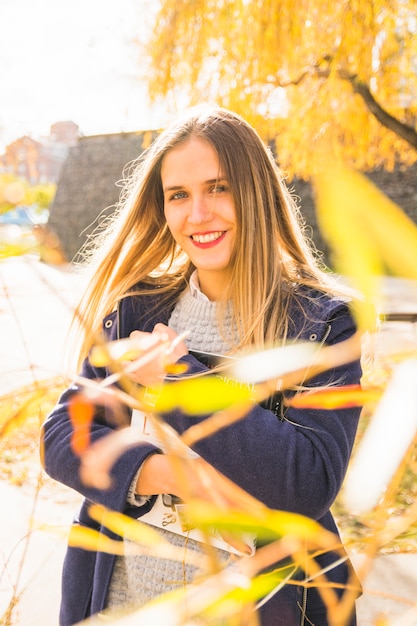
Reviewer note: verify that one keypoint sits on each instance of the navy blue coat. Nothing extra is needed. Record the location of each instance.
(295, 465)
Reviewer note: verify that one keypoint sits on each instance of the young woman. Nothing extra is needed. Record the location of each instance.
(207, 240)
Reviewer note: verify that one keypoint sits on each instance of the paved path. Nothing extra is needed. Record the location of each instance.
(32, 544)
(390, 590)
(35, 308)
(36, 304)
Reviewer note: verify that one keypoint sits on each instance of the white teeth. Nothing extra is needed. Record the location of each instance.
(207, 238)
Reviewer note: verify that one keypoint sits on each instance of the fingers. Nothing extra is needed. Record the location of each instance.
(163, 330)
(156, 363)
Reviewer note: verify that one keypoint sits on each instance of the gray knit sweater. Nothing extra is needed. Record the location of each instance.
(137, 579)
(195, 313)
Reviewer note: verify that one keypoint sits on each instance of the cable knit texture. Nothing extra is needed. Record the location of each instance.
(200, 316)
(138, 578)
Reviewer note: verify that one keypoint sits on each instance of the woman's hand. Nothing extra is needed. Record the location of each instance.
(154, 370)
(191, 479)
(185, 478)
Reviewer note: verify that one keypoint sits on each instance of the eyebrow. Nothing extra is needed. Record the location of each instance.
(211, 181)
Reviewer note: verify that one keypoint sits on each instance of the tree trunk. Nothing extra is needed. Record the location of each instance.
(402, 130)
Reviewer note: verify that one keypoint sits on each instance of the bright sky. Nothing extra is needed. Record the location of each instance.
(73, 60)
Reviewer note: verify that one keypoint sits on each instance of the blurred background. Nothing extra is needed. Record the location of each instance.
(86, 86)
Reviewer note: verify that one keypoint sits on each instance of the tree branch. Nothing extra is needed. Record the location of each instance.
(386, 119)
(322, 70)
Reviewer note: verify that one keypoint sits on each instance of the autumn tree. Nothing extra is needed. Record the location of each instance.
(312, 75)
(16, 191)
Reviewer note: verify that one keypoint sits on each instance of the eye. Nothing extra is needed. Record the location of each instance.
(218, 189)
(178, 195)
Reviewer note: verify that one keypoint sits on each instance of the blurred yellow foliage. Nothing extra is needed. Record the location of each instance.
(303, 73)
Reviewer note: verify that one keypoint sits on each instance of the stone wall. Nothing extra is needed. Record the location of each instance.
(399, 185)
(87, 190)
(89, 185)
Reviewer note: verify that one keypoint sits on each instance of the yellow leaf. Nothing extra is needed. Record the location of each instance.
(335, 397)
(368, 233)
(198, 396)
(231, 601)
(26, 402)
(393, 232)
(354, 252)
(266, 523)
(90, 539)
(141, 538)
(127, 349)
(125, 526)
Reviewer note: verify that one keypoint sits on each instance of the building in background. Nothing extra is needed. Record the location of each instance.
(89, 188)
(90, 185)
(40, 161)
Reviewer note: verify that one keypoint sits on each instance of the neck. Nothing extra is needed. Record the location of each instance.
(213, 284)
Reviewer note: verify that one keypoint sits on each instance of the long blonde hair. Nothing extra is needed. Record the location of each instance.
(272, 255)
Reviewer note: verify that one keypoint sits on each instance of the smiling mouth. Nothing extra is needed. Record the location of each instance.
(209, 237)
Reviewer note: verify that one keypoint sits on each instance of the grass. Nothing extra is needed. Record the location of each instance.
(359, 530)
(394, 508)
(21, 416)
(19, 455)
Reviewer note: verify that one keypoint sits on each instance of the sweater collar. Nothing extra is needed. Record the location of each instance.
(195, 288)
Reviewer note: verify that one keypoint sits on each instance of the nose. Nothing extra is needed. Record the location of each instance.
(201, 209)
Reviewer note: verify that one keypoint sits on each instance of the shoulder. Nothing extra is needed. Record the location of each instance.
(317, 315)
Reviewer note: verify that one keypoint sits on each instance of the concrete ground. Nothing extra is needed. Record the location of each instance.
(35, 307)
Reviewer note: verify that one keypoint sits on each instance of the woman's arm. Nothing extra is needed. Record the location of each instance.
(60, 460)
(297, 464)
(58, 457)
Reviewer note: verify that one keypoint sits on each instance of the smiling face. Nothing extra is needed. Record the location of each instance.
(200, 211)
